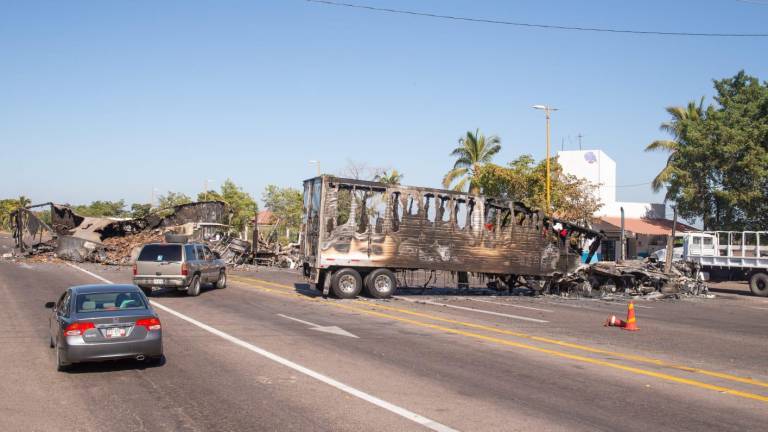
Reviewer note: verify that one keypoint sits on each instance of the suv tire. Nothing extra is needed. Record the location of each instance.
(194, 286)
(221, 282)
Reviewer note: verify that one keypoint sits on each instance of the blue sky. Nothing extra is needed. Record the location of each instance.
(109, 100)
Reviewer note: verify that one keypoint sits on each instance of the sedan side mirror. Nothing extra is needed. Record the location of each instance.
(50, 305)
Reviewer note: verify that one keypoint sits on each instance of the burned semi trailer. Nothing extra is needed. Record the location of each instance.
(358, 235)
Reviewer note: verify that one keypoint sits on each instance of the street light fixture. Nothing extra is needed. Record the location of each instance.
(317, 163)
(547, 110)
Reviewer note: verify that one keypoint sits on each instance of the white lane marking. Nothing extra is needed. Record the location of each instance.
(472, 310)
(761, 308)
(325, 329)
(26, 266)
(94, 275)
(508, 304)
(402, 412)
(593, 302)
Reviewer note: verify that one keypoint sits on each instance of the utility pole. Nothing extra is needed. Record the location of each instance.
(579, 136)
(547, 110)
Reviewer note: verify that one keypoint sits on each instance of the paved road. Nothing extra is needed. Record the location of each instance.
(533, 364)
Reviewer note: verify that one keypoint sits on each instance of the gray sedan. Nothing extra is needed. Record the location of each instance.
(104, 322)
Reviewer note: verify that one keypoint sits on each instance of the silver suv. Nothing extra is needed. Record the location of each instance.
(176, 265)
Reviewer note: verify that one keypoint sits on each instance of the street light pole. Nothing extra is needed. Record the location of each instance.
(547, 110)
(317, 163)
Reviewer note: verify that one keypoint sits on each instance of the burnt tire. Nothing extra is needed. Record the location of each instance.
(194, 287)
(221, 282)
(758, 284)
(346, 283)
(380, 283)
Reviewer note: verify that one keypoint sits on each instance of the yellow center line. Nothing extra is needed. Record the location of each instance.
(637, 358)
(505, 342)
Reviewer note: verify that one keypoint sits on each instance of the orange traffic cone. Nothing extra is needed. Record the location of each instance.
(631, 320)
(612, 321)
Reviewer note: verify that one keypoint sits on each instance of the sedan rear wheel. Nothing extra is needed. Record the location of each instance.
(61, 365)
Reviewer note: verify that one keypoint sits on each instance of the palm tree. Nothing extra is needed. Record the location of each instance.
(390, 179)
(678, 128)
(23, 201)
(474, 150)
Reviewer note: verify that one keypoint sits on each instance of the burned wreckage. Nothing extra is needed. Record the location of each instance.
(366, 235)
(73, 237)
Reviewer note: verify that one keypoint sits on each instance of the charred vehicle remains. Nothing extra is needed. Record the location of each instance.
(359, 234)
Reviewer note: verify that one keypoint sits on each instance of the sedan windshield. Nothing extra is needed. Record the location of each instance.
(112, 301)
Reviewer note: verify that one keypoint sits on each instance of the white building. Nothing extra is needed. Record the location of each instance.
(646, 226)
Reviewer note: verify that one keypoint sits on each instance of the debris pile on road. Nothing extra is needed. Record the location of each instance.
(114, 241)
(634, 278)
(73, 237)
(124, 250)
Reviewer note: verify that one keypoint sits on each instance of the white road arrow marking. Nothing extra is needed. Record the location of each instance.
(325, 329)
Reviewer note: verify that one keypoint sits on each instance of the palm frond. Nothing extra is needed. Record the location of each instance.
(663, 145)
(454, 174)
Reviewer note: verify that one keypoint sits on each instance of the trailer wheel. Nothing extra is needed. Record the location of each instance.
(346, 283)
(381, 283)
(758, 283)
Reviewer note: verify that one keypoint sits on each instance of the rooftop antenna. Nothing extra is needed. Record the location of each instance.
(579, 136)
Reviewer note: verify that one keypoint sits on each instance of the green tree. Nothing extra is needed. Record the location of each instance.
(172, 199)
(677, 127)
(390, 178)
(241, 204)
(6, 207)
(139, 211)
(210, 195)
(719, 168)
(524, 180)
(102, 209)
(473, 152)
(286, 205)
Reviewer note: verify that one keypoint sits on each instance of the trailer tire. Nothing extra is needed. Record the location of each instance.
(758, 284)
(381, 283)
(346, 283)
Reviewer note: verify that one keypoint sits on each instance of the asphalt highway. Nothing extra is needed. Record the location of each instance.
(267, 353)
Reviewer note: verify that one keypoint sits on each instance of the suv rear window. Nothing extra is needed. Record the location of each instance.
(160, 253)
(109, 301)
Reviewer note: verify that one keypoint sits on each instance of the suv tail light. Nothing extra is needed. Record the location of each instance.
(135, 270)
(149, 323)
(77, 328)
(184, 269)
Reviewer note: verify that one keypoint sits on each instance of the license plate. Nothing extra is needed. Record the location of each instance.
(157, 281)
(115, 332)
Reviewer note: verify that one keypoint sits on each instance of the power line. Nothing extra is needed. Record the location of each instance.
(541, 26)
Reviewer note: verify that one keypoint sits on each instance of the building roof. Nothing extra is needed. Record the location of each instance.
(648, 226)
(265, 217)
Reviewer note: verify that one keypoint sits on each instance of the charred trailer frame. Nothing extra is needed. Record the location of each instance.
(358, 234)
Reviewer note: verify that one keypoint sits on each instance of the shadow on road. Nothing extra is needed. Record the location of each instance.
(114, 366)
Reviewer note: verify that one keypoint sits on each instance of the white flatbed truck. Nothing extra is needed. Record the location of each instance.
(731, 255)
